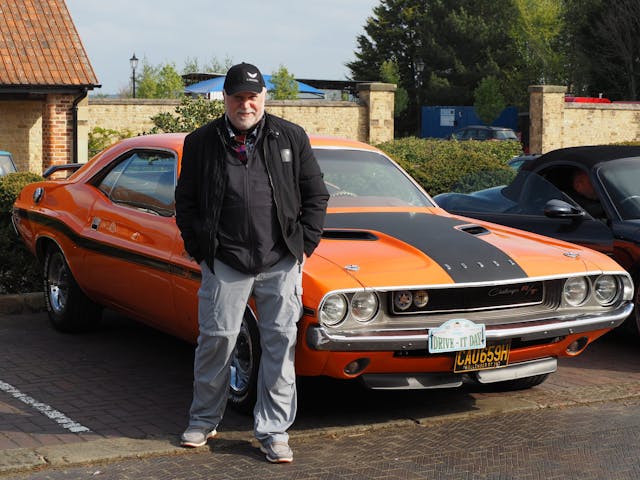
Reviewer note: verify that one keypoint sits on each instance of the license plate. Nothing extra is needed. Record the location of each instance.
(456, 335)
(492, 356)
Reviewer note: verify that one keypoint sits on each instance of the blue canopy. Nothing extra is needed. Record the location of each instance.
(215, 85)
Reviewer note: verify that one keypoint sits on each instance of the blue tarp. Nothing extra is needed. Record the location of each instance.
(215, 85)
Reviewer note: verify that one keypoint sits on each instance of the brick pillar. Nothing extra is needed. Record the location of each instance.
(546, 105)
(379, 99)
(57, 130)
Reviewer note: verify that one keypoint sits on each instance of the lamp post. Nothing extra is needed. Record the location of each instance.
(133, 61)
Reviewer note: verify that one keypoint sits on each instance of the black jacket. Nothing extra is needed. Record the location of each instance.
(299, 191)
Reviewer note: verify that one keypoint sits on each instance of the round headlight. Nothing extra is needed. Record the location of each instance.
(364, 305)
(421, 298)
(402, 299)
(334, 310)
(575, 291)
(605, 289)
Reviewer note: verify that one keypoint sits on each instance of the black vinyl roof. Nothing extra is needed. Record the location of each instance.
(587, 156)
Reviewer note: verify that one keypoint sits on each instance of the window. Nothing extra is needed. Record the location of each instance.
(144, 180)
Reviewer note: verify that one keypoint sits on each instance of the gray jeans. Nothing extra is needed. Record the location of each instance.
(222, 299)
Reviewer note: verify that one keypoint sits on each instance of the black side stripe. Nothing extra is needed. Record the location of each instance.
(109, 250)
(463, 255)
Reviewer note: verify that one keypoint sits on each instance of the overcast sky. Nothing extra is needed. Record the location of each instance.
(311, 39)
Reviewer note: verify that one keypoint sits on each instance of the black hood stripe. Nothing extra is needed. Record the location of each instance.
(464, 256)
(109, 250)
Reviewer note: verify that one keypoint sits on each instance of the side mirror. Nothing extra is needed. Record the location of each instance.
(560, 209)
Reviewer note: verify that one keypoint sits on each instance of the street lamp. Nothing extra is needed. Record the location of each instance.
(419, 70)
(134, 63)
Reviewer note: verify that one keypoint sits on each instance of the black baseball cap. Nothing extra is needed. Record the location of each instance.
(243, 77)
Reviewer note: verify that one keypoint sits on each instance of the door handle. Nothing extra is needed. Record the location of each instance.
(95, 223)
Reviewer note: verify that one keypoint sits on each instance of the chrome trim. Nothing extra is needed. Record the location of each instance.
(514, 371)
(319, 338)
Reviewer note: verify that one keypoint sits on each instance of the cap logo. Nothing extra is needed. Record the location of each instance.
(252, 75)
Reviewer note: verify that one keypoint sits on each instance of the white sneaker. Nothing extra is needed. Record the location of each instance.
(197, 436)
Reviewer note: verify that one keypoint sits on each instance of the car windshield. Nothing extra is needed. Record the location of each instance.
(621, 180)
(506, 135)
(6, 165)
(363, 178)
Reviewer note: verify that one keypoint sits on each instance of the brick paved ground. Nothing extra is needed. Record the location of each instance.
(127, 383)
(581, 442)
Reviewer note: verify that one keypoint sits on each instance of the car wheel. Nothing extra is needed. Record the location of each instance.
(244, 366)
(520, 383)
(68, 307)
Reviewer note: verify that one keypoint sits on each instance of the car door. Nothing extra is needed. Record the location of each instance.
(525, 205)
(132, 225)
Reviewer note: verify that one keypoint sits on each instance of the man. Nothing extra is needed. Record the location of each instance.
(250, 205)
(585, 195)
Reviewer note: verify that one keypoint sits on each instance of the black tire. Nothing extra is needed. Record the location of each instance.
(519, 383)
(69, 309)
(244, 366)
(632, 324)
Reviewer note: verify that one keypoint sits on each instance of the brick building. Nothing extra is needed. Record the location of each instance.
(45, 76)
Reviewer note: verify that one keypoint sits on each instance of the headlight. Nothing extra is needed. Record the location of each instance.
(364, 305)
(605, 289)
(575, 291)
(334, 310)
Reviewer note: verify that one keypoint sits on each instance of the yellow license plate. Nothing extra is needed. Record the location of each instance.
(492, 356)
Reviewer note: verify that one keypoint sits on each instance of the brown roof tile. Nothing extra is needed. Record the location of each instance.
(39, 45)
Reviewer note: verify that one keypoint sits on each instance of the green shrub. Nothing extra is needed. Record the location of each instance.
(101, 138)
(19, 270)
(448, 165)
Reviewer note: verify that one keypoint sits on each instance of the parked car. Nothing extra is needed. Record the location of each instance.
(483, 132)
(517, 161)
(543, 199)
(6, 163)
(399, 293)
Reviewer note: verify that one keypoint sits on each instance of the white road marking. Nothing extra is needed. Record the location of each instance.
(52, 413)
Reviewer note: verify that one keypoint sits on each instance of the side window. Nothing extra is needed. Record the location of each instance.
(143, 180)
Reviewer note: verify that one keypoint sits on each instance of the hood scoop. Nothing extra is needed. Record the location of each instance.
(339, 234)
(473, 229)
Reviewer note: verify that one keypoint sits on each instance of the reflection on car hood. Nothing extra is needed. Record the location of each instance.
(419, 248)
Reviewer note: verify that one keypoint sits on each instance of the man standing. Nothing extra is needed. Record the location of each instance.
(250, 205)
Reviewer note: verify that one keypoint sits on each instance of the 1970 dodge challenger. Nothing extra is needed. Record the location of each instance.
(399, 293)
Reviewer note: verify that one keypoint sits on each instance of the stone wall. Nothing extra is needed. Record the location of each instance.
(557, 124)
(370, 120)
(39, 133)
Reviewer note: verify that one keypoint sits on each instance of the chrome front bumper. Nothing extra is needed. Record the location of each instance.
(319, 338)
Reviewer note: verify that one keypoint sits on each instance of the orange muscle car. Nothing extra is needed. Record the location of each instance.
(399, 293)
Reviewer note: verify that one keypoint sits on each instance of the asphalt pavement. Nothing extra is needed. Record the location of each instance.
(121, 393)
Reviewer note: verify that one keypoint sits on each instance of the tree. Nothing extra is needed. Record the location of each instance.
(192, 113)
(285, 85)
(161, 81)
(389, 73)
(610, 40)
(192, 65)
(459, 42)
(489, 101)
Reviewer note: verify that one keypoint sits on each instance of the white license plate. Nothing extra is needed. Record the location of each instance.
(456, 335)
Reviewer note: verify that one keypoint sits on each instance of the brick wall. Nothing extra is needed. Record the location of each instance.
(557, 124)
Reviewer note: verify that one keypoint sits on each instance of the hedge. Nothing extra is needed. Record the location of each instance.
(20, 271)
(448, 165)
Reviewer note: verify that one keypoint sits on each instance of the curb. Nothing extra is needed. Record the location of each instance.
(13, 304)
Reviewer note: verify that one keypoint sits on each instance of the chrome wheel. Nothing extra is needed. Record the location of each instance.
(244, 366)
(69, 309)
(57, 282)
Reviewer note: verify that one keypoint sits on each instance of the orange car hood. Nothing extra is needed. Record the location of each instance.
(409, 248)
